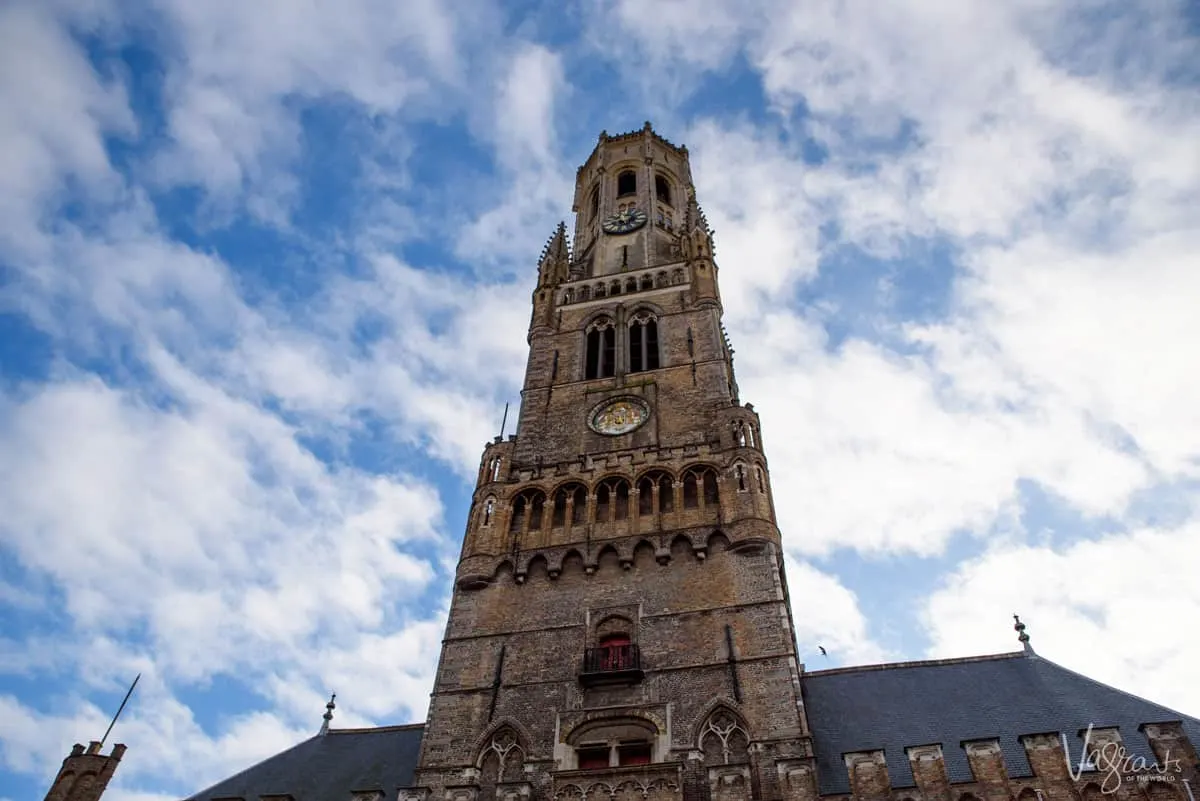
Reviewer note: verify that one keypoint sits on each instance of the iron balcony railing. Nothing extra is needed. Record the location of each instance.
(612, 662)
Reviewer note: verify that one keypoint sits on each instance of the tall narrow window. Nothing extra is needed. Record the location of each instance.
(602, 503)
(518, 515)
(489, 507)
(601, 350)
(579, 506)
(691, 495)
(739, 472)
(559, 516)
(646, 496)
(643, 343)
(627, 183)
(662, 189)
(595, 205)
(666, 494)
(710, 488)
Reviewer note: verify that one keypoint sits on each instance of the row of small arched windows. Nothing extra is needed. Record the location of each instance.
(613, 498)
(606, 289)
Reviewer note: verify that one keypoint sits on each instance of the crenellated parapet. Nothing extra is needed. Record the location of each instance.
(1047, 768)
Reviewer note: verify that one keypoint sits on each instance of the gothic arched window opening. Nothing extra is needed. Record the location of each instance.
(648, 485)
(739, 472)
(723, 739)
(579, 505)
(627, 183)
(489, 508)
(643, 343)
(601, 350)
(612, 501)
(662, 189)
(762, 484)
(700, 482)
(595, 204)
(528, 504)
(647, 281)
(517, 521)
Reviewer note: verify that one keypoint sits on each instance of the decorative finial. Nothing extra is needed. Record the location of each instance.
(648, 126)
(328, 716)
(1019, 627)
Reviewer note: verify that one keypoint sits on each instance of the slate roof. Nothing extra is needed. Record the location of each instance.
(329, 767)
(892, 707)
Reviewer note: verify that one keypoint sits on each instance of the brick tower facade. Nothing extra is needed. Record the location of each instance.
(85, 773)
(620, 617)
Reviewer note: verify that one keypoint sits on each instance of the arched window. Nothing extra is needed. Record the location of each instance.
(723, 739)
(595, 204)
(528, 504)
(579, 505)
(643, 343)
(699, 482)
(517, 521)
(612, 500)
(494, 469)
(645, 496)
(762, 483)
(489, 509)
(739, 473)
(601, 349)
(647, 281)
(647, 485)
(627, 183)
(666, 494)
(631, 285)
(739, 433)
(662, 189)
(558, 517)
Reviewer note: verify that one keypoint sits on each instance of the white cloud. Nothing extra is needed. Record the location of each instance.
(59, 112)
(232, 119)
(1118, 609)
(826, 615)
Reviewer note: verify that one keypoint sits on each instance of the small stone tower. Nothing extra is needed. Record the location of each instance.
(620, 617)
(85, 773)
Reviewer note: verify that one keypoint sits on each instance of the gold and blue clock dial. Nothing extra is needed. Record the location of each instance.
(623, 222)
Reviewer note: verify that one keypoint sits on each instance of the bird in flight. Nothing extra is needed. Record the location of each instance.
(822, 647)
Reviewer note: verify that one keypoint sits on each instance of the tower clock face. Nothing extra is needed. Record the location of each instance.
(618, 416)
(624, 221)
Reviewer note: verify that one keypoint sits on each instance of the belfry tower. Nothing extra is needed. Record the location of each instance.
(620, 618)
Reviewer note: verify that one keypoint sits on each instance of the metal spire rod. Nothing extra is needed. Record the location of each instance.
(120, 709)
(504, 422)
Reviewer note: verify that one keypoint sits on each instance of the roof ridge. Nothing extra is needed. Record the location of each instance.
(205, 792)
(961, 660)
(1126, 693)
(372, 729)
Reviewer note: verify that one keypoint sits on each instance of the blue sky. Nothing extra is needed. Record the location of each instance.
(264, 274)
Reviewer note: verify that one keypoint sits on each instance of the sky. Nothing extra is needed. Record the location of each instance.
(264, 282)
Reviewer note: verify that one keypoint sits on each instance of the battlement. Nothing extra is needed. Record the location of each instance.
(1010, 725)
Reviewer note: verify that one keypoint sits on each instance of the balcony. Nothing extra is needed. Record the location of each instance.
(662, 781)
(612, 664)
